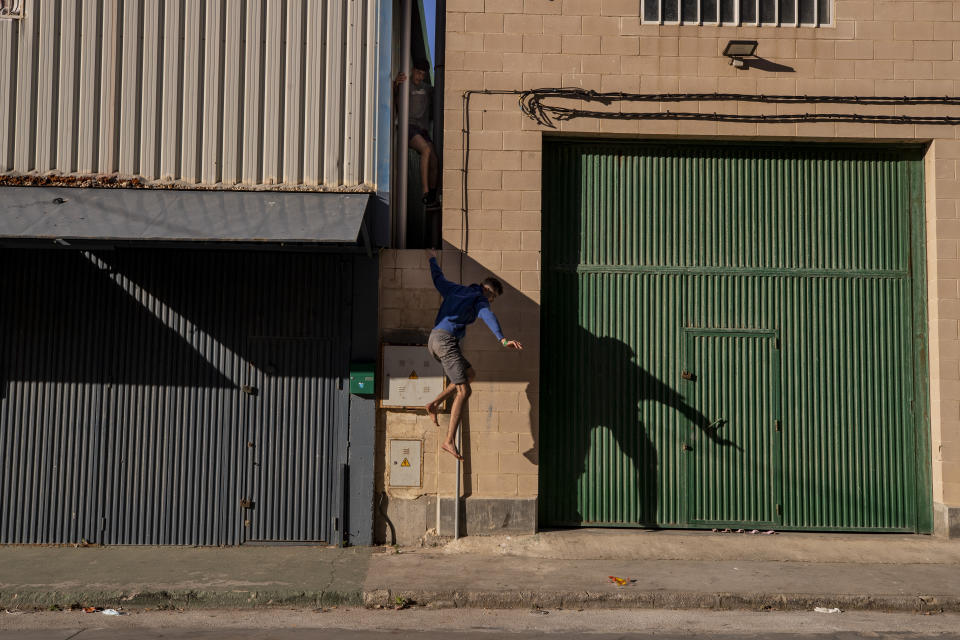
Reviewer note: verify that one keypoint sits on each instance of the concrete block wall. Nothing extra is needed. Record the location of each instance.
(901, 48)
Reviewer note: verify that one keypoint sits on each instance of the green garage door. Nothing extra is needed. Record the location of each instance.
(733, 336)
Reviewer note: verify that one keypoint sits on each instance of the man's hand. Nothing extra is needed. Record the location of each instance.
(430, 253)
(513, 344)
(400, 78)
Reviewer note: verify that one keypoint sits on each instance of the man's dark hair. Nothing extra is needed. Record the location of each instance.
(494, 284)
(421, 64)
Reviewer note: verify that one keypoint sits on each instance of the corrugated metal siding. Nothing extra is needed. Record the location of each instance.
(52, 399)
(123, 418)
(292, 429)
(643, 241)
(275, 93)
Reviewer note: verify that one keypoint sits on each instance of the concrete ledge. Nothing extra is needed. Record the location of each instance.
(408, 520)
(493, 516)
(946, 521)
(661, 600)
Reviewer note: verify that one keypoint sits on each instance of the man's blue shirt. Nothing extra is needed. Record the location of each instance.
(461, 305)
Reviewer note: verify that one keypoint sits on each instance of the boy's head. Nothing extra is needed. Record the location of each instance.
(420, 71)
(491, 288)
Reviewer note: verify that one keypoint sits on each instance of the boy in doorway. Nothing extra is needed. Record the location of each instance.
(418, 136)
(461, 306)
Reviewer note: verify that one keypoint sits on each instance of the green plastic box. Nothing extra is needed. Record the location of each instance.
(362, 378)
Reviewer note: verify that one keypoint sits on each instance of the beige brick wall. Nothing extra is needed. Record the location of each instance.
(874, 48)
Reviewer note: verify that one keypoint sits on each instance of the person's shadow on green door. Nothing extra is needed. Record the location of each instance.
(595, 432)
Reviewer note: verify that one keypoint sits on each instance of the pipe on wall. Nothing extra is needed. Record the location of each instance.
(400, 203)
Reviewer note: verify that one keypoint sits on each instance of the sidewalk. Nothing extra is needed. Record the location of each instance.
(178, 577)
(677, 569)
(569, 569)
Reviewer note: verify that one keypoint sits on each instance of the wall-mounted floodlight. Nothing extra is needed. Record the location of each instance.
(737, 50)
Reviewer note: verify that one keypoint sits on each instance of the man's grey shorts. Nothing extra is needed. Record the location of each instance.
(446, 349)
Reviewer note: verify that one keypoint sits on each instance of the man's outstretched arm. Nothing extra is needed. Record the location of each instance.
(487, 315)
(443, 285)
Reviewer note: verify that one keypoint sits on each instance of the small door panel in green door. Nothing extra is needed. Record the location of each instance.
(733, 461)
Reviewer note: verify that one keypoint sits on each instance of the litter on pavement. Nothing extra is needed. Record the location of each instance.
(753, 532)
(826, 610)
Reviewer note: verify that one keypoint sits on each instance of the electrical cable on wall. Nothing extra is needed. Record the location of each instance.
(532, 104)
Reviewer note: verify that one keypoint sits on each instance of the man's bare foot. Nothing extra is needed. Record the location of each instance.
(452, 450)
(432, 411)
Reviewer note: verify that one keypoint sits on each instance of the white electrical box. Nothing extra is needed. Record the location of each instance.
(411, 377)
(405, 463)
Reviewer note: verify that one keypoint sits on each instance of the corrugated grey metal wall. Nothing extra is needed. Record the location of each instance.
(268, 93)
(286, 447)
(146, 393)
(819, 246)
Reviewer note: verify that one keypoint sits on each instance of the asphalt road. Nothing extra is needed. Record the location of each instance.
(475, 624)
(428, 635)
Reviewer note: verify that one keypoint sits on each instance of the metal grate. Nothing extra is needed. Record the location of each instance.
(778, 13)
(11, 8)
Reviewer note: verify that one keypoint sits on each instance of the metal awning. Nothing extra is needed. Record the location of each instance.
(166, 215)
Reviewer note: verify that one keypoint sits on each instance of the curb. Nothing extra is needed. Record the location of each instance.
(623, 599)
(177, 599)
(619, 599)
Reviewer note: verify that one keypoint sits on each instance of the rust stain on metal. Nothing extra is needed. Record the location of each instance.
(53, 180)
(117, 181)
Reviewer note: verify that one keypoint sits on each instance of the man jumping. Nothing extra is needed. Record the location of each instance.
(461, 306)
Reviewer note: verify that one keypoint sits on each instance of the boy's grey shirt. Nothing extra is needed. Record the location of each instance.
(421, 101)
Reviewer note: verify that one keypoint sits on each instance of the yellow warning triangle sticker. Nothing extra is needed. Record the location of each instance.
(413, 375)
(405, 463)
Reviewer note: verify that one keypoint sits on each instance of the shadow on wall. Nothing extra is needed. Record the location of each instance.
(613, 389)
(155, 317)
(62, 310)
(602, 385)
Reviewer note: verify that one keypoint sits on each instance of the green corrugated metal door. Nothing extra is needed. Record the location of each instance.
(733, 335)
(733, 378)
